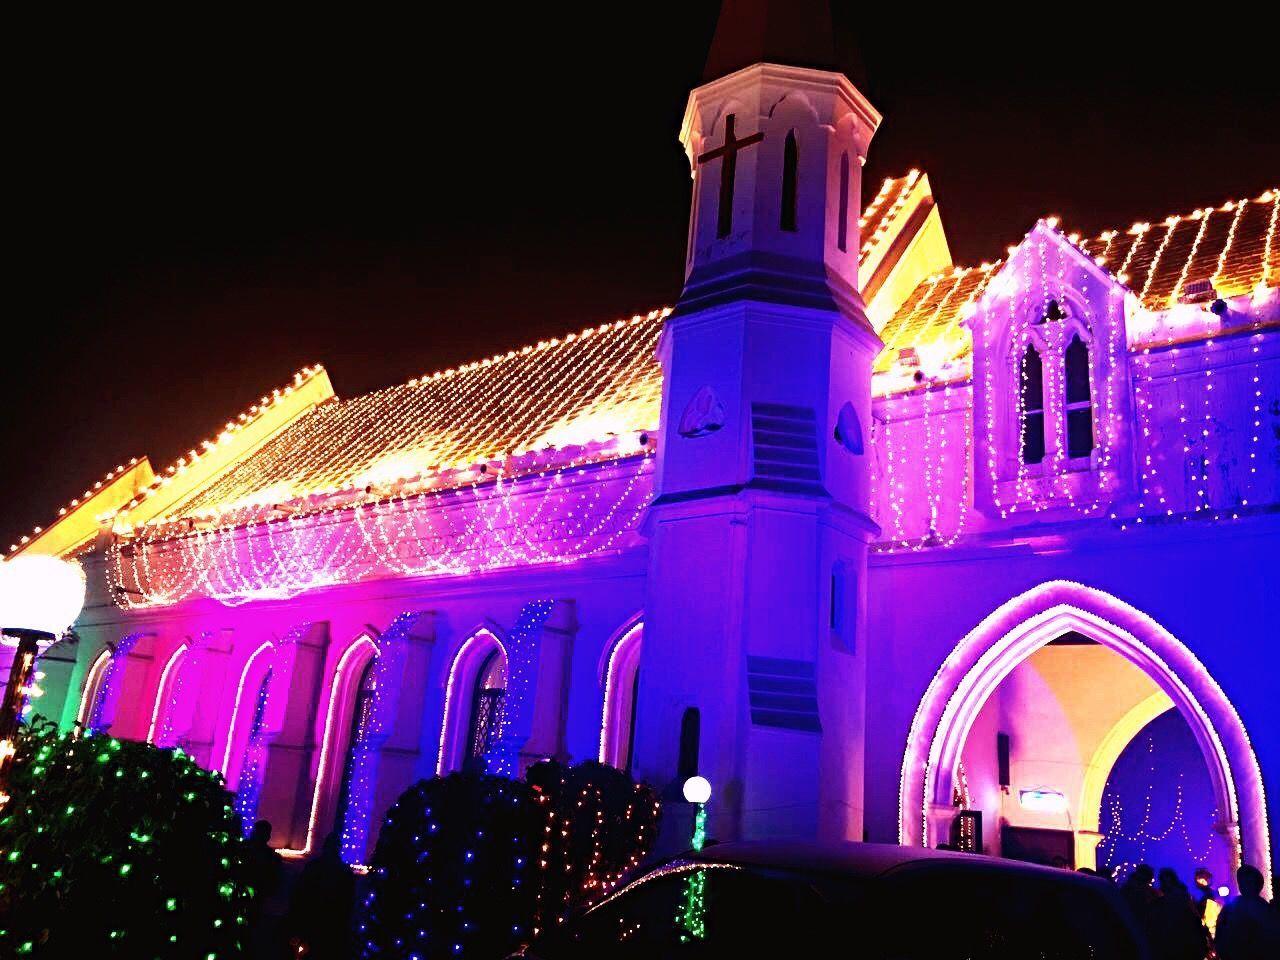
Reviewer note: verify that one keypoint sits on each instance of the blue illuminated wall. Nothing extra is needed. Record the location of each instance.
(1158, 806)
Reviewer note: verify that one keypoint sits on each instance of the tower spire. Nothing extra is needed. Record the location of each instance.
(795, 33)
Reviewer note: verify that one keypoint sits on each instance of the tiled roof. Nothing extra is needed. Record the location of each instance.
(1234, 247)
(1212, 252)
(879, 215)
(564, 392)
(928, 322)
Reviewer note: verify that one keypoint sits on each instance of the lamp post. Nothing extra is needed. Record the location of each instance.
(40, 597)
(697, 790)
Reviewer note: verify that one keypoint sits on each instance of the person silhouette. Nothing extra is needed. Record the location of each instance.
(264, 867)
(321, 911)
(1173, 925)
(1137, 889)
(1248, 927)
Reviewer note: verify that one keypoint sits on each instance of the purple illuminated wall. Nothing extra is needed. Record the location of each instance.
(1158, 806)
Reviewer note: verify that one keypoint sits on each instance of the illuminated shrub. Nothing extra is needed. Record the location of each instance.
(455, 870)
(602, 823)
(460, 866)
(114, 848)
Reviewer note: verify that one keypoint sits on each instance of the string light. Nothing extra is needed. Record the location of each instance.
(911, 474)
(1137, 841)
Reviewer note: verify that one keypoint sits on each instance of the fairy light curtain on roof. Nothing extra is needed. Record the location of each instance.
(565, 392)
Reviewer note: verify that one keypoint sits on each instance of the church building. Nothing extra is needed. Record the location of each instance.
(886, 547)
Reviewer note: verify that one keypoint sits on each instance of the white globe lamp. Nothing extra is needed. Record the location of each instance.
(697, 790)
(40, 597)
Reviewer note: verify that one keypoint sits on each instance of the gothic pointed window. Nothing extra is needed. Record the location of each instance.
(95, 688)
(260, 707)
(1079, 400)
(485, 723)
(631, 720)
(257, 722)
(789, 161)
(361, 715)
(621, 696)
(160, 731)
(842, 226)
(1032, 370)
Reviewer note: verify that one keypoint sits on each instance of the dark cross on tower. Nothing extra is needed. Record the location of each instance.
(729, 154)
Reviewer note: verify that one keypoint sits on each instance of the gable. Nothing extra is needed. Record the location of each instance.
(1186, 261)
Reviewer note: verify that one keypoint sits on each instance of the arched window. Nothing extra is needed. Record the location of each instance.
(1079, 400)
(1032, 370)
(485, 723)
(842, 226)
(690, 743)
(361, 714)
(253, 678)
(789, 160)
(165, 693)
(260, 707)
(94, 688)
(348, 712)
(621, 694)
(251, 760)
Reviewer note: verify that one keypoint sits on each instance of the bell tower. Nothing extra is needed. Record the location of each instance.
(753, 665)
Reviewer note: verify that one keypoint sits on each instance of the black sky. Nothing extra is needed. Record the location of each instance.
(197, 209)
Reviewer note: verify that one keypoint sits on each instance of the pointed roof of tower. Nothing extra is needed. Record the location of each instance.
(797, 33)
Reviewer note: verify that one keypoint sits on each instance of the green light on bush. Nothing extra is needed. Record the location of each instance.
(171, 904)
(125, 868)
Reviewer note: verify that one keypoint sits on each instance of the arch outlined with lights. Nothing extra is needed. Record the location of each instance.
(94, 687)
(617, 677)
(1028, 622)
(464, 668)
(165, 689)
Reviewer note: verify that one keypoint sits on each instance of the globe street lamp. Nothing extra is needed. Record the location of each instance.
(40, 597)
(697, 790)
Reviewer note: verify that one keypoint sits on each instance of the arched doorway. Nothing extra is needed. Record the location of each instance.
(1016, 630)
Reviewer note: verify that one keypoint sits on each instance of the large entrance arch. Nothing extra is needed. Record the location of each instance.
(1016, 630)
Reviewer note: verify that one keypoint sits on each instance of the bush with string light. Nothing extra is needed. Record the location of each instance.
(116, 848)
(601, 824)
(473, 865)
(455, 870)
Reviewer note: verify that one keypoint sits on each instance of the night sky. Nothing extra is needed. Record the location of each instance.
(196, 210)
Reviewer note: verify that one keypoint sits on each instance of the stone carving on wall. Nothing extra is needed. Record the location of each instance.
(849, 429)
(703, 415)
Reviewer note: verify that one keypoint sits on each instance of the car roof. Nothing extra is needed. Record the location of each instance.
(858, 860)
